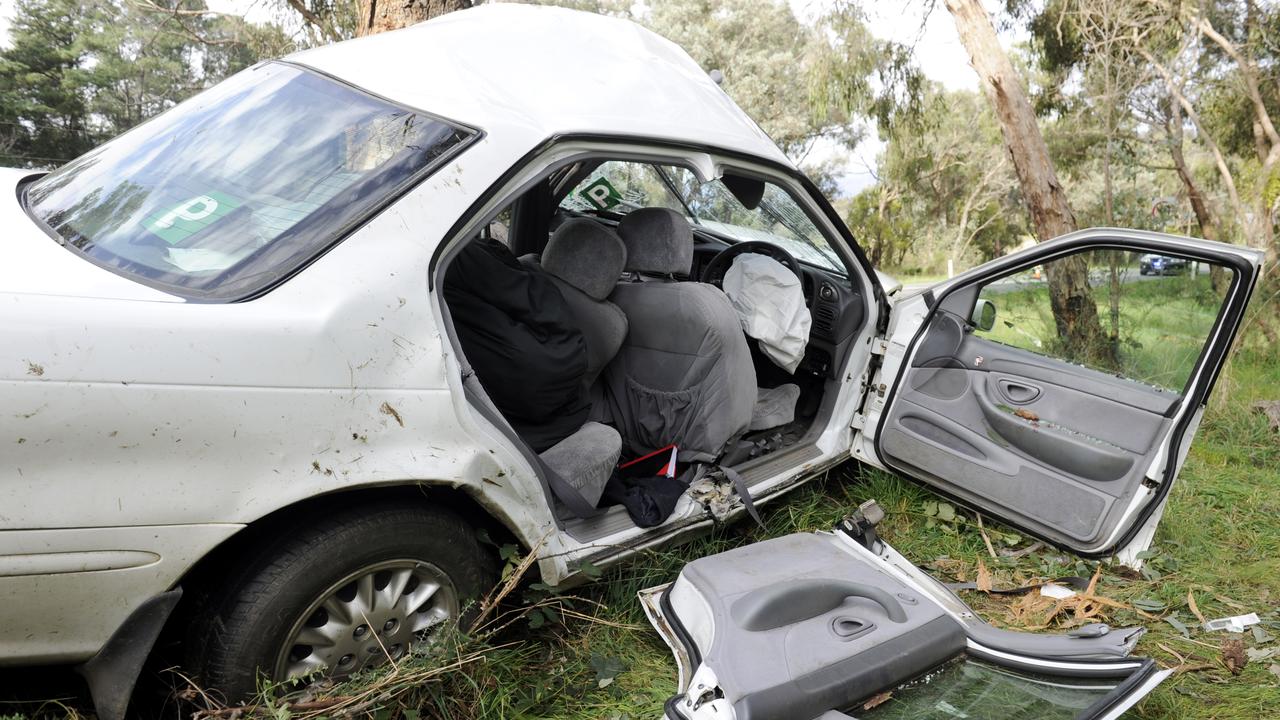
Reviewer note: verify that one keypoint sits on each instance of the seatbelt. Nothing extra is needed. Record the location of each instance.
(740, 487)
(568, 494)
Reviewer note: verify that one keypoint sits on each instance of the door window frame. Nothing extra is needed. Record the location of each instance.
(1204, 373)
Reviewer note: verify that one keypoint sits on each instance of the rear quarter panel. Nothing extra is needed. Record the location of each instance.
(121, 415)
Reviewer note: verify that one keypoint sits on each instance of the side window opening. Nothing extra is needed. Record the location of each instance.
(1155, 314)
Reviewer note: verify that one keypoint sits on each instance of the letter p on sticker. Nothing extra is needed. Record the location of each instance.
(197, 208)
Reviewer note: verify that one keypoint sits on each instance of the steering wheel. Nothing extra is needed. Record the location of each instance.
(714, 272)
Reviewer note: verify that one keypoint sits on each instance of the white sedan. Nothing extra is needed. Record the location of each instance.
(267, 375)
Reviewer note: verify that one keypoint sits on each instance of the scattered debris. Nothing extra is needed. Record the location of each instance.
(387, 409)
(35, 369)
(1233, 655)
(1260, 654)
(1055, 591)
(1270, 408)
(1195, 609)
(1235, 624)
(716, 497)
(984, 577)
(877, 700)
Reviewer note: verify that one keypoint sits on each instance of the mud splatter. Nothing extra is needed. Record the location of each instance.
(387, 409)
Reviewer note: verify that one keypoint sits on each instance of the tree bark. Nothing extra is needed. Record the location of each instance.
(1204, 215)
(1075, 313)
(381, 15)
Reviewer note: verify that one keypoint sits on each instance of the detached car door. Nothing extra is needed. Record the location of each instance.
(1059, 388)
(839, 626)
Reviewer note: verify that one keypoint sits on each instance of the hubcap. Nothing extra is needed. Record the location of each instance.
(372, 614)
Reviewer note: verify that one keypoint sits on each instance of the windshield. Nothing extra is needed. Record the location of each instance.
(619, 187)
(241, 185)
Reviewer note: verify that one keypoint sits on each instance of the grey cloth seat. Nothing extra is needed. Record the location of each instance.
(684, 375)
(586, 459)
(585, 260)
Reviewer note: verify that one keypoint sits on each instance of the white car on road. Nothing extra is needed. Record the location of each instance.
(238, 409)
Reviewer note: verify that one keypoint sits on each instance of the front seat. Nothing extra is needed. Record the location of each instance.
(684, 375)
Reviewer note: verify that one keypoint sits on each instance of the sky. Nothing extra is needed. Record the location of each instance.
(937, 51)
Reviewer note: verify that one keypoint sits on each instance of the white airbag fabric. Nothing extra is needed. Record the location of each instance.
(770, 304)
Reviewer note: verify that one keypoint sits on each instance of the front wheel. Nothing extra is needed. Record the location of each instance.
(338, 596)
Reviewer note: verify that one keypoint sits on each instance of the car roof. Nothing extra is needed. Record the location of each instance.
(524, 73)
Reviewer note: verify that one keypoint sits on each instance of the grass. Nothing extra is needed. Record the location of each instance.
(589, 654)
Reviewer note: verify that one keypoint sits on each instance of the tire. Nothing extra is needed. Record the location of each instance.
(352, 562)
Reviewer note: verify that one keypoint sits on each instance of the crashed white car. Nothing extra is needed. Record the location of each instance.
(254, 400)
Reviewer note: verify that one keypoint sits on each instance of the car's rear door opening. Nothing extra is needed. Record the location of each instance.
(562, 231)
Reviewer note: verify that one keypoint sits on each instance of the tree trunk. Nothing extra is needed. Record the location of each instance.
(1075, 313)
(1204, 215)
(381, 15)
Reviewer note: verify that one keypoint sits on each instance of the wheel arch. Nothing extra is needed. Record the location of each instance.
(201, 576)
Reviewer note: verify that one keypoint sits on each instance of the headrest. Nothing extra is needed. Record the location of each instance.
(658, 240)
(587, 255)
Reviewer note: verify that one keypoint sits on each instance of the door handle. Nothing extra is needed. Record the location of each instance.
(784, 604)
(1018, 393)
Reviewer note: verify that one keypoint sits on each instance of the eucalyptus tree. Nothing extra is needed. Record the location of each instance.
(1075, 313)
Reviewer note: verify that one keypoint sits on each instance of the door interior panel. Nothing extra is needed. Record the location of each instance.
(1055, 446)
(806, 626)
(1068, 507)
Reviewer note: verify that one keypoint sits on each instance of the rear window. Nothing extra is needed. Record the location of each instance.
(238, 187)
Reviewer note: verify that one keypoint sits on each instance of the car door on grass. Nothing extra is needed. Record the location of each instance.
(839, 626)
(1065, 412)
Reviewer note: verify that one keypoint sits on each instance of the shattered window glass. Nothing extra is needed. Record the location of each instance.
(968, 689)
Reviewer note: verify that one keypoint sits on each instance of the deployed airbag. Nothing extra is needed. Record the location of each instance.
(770, 303)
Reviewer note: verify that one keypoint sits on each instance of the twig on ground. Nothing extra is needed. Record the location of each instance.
(983, 531)
(498, 594)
